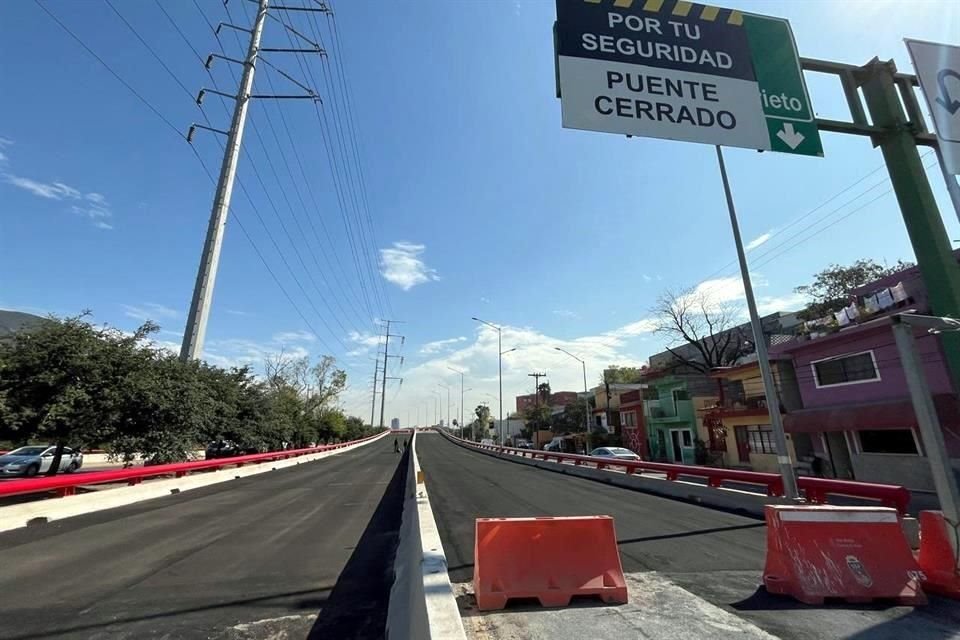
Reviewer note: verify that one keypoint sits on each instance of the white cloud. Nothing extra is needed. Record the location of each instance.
(484, 300)
(440, 345)
(149, 311)
(789, 302)
(759, 240)
(294, 336)
(402, 265)
(237, 312)
(366, 339)
(647, 278)
(52, 190)
(565, 313)
(93, 206)
(5, 142)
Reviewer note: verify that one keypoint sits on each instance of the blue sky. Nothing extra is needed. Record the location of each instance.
(480, 203)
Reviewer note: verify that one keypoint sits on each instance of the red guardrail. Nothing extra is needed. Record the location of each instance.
(66, 485)
(815, 490)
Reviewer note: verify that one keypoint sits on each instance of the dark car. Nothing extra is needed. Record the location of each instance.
(227, 449)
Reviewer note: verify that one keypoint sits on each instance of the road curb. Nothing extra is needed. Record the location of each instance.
(43, 511)
(422, 602)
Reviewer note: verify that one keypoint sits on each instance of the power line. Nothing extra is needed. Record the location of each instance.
(170, 125)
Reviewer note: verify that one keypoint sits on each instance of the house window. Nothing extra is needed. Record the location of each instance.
(651, 393)
(761, 440)
(680, 394)
(888, 441)
(849, 369)
(628, 418)
(687, 438)
(598, 419)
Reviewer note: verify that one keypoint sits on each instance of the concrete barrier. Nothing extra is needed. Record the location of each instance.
(40, 511)
(422, 603)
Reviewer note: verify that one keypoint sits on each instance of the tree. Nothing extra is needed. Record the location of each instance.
(537, 419)
(830, 289)
(621, 375)
(699, 319)
(63, 382)
(482, 424)
(573, 419)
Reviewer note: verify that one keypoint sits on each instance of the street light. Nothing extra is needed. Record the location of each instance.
(462, 408)
(586, 401)
(447, 387)
(472, 435)
(499, 362)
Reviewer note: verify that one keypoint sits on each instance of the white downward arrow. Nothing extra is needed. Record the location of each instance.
(790, 137)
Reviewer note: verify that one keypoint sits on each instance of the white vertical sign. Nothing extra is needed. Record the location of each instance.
(938, 68)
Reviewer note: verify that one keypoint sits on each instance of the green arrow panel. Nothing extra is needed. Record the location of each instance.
(783, 91)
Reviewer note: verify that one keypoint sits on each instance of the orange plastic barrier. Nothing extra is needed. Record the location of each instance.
(857, 554)
(551, 559)
(937, 557)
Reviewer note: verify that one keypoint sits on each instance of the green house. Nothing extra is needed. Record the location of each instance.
(670, 417)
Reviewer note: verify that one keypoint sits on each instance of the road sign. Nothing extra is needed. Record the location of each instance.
(683, 71)
(938, 68)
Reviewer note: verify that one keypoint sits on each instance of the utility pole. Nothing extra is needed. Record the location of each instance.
(386, 357)
(373, 401)
(199, 314)
(536, 392)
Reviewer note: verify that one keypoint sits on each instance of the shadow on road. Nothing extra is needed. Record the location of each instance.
(694, 532)
(357, 606)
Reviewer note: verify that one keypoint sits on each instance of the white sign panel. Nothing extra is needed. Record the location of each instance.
(683, 71)
(938, 68)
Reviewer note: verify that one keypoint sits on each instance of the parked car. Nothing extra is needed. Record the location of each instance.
(486, 441)
(227, 449)
(30, 460)
(615, 452)
(524, 444)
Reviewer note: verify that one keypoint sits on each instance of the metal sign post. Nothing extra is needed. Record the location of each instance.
(934, 446)
(769, 388)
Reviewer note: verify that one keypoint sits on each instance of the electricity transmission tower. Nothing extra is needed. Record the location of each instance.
(194, 333)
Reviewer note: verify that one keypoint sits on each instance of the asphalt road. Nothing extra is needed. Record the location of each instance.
(715, 555)
(300, 552)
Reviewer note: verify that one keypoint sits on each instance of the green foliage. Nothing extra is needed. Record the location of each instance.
(572, 420)
(829, 291)
(537, 418)
(620, 375)
(73, 383)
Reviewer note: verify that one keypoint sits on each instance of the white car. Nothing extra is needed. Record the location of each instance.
(615, 452)
(486, 441)
(30, 460)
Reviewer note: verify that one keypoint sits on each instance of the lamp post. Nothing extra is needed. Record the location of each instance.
(586, 401)
(462, 414)
(500, 353)
(472, 434)
(447, 387)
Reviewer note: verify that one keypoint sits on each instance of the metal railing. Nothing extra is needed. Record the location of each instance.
(66, 485)
(815, 490)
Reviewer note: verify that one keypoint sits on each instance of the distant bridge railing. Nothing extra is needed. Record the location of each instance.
(66, 485)
(815, 490)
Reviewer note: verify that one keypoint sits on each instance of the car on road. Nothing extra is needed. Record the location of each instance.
(33, 459)
(486, 441)
(615, 452)
(524, 444)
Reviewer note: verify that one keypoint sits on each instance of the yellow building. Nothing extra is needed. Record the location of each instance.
(737, 429)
